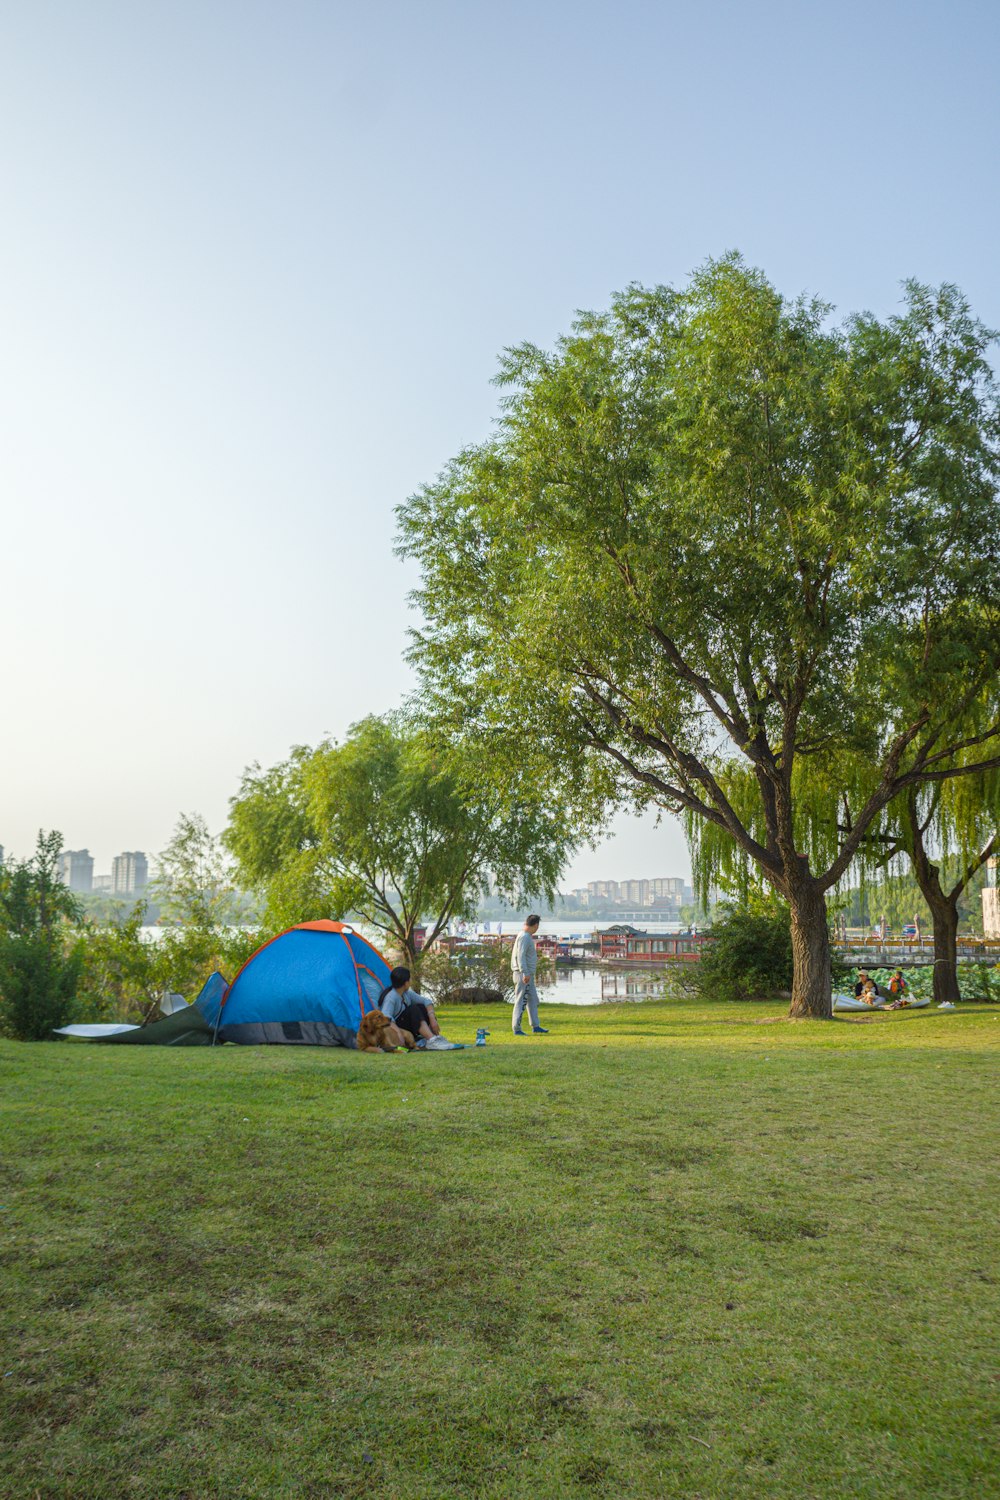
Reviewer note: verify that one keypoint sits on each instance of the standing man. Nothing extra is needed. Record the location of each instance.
(523, 963)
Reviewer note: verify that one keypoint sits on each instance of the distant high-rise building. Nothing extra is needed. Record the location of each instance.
(665, 893)
(636, 891)
(101, 883)
(76, 869)
(129, 873)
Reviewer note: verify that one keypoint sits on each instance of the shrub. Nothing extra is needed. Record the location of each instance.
(39, 953)
(127, 969)
(38, 980)
(979, 981)
(749, 957)
(484, 966)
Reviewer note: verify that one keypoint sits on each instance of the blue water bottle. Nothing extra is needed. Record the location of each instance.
(481, 1036)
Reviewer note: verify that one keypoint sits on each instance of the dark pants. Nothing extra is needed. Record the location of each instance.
(412, 1017)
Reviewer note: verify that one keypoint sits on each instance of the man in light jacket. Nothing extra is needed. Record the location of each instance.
(523, 963)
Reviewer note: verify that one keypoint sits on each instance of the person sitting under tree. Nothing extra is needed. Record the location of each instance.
(866, 989)
(898, 991)
(408, 1011)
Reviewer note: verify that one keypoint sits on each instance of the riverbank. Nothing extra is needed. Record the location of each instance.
(669, 1250)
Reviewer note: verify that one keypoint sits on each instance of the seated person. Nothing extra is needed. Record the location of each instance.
(866, 989)
(409, 1012)
(898, 991)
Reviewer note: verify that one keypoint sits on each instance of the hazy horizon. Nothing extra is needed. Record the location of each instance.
(259, 268)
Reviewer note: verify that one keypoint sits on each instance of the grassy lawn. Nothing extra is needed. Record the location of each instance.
(666, 1251)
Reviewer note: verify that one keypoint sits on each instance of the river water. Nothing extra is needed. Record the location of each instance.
(591, 985)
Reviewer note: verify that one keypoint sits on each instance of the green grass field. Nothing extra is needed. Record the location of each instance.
(670, 1250)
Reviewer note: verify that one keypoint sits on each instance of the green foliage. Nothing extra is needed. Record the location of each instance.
(32, 896)
(479, 966)
(39, 975)
(40, 960)
(392, 826)
(749, 957)
(128, 967)
(978, 982)
(194, 884)
(895, 894)
(728, 558)
(124, 975)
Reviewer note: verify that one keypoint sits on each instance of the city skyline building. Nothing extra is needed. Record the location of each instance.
(665, 893)
(76, 869)
(129, 873)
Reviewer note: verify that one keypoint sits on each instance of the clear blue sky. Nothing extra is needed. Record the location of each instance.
(257, 265)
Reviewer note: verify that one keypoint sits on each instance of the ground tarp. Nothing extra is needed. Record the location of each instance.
(190, 1026)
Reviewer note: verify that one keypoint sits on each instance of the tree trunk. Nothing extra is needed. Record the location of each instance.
(943, 905)
(812, 988)
(411, 958)
(944, 914)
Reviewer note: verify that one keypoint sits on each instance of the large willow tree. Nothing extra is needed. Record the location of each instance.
(713, 530)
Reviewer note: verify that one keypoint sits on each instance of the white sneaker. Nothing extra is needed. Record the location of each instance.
(438, 1044)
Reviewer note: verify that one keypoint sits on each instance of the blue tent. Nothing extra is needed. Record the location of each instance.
(311, 985)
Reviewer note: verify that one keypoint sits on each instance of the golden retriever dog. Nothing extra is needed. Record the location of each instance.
(378, 1034)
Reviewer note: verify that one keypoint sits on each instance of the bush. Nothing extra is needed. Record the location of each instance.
(749, 957)
(483, 966)
(979, 981)
(127, 969)
(38, 981)
(39, 954)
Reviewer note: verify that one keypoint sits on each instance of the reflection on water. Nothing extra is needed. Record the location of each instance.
(590, 985)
